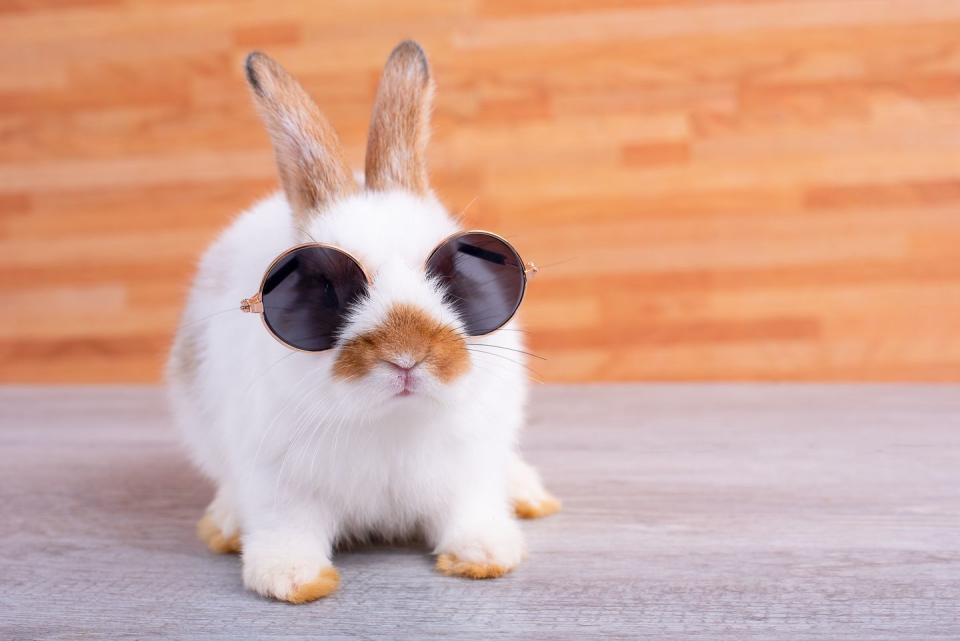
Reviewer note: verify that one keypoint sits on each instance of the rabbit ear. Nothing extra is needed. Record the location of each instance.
(309, 158)
(399, 127)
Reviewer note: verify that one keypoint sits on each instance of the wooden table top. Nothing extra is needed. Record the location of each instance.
(691, 511)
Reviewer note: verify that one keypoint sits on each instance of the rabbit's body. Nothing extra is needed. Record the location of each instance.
(311, 448)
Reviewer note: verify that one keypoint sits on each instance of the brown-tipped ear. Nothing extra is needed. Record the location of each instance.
(399, 127)
(312, 169)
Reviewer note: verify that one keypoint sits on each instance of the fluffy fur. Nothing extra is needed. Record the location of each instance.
(305, 453)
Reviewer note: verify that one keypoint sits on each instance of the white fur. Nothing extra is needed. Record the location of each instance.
(303, 460)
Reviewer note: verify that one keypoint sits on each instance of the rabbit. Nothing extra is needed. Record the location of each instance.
(311, 450)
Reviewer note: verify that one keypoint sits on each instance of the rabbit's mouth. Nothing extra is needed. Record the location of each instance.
(405, 374)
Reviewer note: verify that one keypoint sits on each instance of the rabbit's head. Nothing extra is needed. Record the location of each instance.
(403, 337)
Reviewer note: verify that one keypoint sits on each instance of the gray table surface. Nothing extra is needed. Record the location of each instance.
(691, 511)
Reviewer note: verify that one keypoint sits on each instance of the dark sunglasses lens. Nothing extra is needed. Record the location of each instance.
(483, 277)
(307, 294)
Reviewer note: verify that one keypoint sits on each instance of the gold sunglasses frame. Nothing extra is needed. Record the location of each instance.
(254, 304)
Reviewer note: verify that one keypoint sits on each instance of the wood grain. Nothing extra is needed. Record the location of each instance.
(720, 512)
(719, 189)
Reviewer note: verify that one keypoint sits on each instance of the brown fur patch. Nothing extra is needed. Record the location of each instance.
(211, 534)
(530, 510)
(311, 164)
(450, 565)
(407, 331)
(326, 582)
(400, 124)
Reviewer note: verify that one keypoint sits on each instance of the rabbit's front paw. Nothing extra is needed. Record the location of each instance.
(295, 580)
(485, 555)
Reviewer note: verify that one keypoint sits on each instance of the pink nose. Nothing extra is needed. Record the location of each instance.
(401, 369)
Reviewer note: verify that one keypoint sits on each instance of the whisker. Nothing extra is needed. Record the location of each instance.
(294, 398)
(307, 234)
(469, 205)
(504, 357)
(318, 417)
(299, 424)
(262, 374)
(492, 366)
(558, 262)
(316, 448)
(512, 349)
(490, 369)
(205, 318)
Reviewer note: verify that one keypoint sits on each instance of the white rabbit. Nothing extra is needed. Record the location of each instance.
(312, 449)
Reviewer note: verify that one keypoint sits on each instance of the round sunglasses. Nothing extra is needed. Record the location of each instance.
(306, 292)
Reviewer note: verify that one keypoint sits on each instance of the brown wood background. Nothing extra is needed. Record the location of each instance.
(719, 189)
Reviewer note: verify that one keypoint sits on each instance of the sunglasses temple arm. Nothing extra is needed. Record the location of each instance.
(252, 305)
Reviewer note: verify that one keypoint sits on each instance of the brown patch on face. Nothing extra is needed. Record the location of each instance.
(407, 331)
(399, 127)
(309, 157)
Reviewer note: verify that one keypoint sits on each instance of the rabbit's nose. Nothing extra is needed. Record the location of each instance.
(402, 366)
(407, 337)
